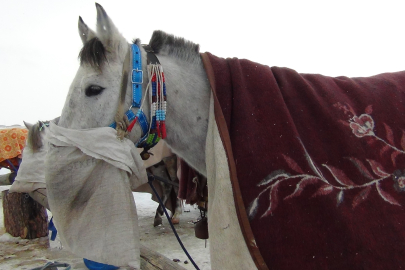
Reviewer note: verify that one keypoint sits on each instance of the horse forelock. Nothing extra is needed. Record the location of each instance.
(175, 46)
(93, 53)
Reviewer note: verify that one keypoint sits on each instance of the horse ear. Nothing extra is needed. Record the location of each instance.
(28, 125)
(106, 30)
(85, 32)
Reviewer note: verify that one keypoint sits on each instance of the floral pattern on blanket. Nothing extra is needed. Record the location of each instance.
(362, 126)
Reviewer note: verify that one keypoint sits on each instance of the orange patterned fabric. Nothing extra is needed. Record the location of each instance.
(12, 142)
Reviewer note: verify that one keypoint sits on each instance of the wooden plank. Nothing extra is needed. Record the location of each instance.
(152, 260)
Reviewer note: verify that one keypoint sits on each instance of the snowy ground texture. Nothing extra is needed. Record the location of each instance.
(17, 253)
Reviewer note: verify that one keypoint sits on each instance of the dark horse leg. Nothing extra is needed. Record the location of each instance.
(171, 167)
(159, 170)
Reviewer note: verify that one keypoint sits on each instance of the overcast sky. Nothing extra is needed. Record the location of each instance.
(40, 42)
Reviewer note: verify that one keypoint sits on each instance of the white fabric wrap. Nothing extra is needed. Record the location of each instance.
(228, 249)
(31, 173)
(89, 176)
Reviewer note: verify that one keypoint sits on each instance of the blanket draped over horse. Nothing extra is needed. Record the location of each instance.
(317, 164)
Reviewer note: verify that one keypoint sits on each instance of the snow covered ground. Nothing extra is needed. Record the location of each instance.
(17, 253)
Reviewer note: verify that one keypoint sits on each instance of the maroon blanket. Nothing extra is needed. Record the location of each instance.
(192, 186)
(320, 163)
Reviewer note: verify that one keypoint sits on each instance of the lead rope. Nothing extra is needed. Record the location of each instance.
(150, 182)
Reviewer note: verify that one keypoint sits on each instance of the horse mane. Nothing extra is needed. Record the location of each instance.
(93, 53)
(175, 46)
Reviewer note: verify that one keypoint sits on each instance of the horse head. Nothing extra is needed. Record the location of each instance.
(102, 89)
(94, 94)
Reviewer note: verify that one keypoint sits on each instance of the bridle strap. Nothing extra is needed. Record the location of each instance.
(125, 121)
(150, 55)
(136, 76)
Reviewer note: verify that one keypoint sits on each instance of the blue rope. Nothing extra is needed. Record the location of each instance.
(11, 165)
(150, 182)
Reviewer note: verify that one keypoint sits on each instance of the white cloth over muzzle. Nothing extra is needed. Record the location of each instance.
(30, 174)
(89, 177)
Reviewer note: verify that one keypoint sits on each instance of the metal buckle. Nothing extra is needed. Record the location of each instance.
(132, 76)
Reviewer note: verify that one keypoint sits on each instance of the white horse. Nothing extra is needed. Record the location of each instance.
(100, 90)
(92, 102)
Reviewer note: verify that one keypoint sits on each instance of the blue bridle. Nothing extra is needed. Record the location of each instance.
(137, 81)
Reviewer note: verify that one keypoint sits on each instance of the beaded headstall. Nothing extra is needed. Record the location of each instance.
(155, 130)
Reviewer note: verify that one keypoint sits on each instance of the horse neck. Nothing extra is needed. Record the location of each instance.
(188, 95)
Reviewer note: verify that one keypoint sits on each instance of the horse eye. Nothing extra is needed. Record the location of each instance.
(94, 90)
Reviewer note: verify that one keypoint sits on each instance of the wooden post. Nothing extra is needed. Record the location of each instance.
(24, 217)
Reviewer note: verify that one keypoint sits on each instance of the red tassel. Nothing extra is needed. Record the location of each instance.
(131, 126)
(163, 130)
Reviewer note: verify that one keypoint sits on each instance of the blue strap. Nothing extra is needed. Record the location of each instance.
(137, 76)
(130, 115)
(137, 80)
(143, 122)
(52, 228)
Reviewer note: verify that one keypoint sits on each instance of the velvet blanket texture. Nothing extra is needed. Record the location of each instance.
(319, 162)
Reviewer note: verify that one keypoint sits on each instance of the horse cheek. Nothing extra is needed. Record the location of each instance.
(72, 104)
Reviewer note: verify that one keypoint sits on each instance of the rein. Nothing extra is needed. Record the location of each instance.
(124, 122)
